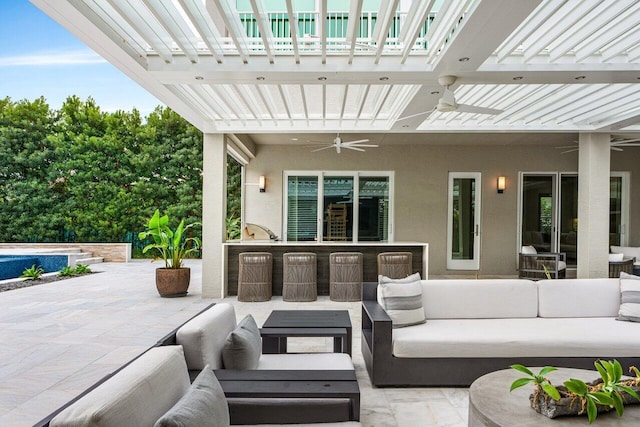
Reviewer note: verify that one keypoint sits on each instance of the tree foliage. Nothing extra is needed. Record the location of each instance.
(80, 174)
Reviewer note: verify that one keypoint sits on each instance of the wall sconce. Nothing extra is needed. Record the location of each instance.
(262, 184)
(502, 184)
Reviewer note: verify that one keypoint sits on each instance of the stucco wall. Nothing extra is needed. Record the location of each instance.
(421, 173)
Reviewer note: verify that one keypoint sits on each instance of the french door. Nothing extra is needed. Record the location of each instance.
(549, 212)
(463, 225)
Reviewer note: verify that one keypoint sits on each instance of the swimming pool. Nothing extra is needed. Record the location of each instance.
(12, 266)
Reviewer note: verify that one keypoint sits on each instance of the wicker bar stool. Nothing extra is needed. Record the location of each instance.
(299, 281)
(345, 276)
(395, 265)
(254, 276)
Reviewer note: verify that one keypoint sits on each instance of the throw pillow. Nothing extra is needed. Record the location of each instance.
(616, 257)
(402, 300)
(204, 404)
(243, 346)
(629, 297)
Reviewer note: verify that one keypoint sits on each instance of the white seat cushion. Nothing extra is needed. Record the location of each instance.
(204, 336)
(306, 361)
(578, 298)
(539, 337)
(137, 396)
(528, 250)
(344, 424)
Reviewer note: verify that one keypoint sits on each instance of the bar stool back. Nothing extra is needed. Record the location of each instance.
(254, 276)
(395, 265)
(299, 281)
(345, 276)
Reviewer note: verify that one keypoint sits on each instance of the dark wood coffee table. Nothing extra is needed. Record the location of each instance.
(282, 324)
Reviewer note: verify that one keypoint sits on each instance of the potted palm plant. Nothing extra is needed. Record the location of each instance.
(172, 246)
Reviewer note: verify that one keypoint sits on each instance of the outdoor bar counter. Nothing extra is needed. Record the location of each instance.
(322, 250)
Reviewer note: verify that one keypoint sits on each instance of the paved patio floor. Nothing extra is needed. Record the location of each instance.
(59, 338)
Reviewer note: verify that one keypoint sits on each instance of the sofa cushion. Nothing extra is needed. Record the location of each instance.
(629, 297)
(578, 298)
(616, 257)
(243, 346)
(204, 404)
(597, 337)
(479, 299)
(402, 300)
(137, 395)
(307, 361)
(628, 251)
(203, 337)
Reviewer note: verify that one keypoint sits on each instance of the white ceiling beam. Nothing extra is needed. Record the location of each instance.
(227, 102)
(264, 26)
(596, 19)
(620, 104)
(267, 102)
(169, 18)
(285, 102)
(208, 105)
(382, 99)
(614, 29)
(247, 103)
(562, 103)
(410, 31)
(353, 23)
(621, 121)
(381, 31)
(582, 112)
(557, 24)
(232, 22)
(362, 101)
(344, 101)
(446, 19)
(619, 46)
(132, 16)
(293, 28)
(205, 26)
(485, 27)
(324, 103)
(304, 103)
(322, 28)
(528, 27)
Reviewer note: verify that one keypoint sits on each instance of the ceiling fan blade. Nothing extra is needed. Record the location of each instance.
(624, 141)
(566, 146)
(448, 97)
(463, 108)
(629, 145)
(416, 114)
(323, 148)
(569, 151)
(616, 149)
(353, 148)
(364, 145)
(355, 142)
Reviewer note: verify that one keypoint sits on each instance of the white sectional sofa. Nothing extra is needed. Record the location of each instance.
(477, 326)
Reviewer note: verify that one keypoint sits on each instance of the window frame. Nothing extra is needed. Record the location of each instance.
(356, 175)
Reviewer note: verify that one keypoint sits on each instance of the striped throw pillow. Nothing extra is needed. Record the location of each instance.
(402, 300)
(630, 297)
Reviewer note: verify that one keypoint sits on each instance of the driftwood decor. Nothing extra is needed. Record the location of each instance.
(570, 404)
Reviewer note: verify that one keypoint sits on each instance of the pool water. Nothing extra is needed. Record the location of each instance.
(12, 266)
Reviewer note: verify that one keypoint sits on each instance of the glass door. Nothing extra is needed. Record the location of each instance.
(568, 218)
(538, 212)
(463, 234)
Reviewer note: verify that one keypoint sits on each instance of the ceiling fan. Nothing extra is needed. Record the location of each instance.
(448, 102)
(616, 144)
(339, 144)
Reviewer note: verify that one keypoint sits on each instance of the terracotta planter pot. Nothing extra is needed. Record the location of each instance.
(173, 282)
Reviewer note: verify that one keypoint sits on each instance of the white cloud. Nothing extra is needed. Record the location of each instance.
(46, 59)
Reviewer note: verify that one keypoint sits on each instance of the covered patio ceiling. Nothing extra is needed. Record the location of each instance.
(549, 65)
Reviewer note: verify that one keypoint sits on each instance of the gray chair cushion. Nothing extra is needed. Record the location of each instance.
(204, 404)
(243, 347)
(629, 300)
(402, 300)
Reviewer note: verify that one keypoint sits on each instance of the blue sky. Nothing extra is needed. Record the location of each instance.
(40, 58)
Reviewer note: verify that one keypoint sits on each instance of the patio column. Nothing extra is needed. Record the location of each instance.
(594, 166)
(214, 206)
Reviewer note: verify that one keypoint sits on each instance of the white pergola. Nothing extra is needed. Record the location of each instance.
(568, 66)
(551, 65)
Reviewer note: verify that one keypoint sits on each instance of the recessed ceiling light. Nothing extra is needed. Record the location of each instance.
(580, 78)
(464, 59)
(384, 79)
(517, 78)
(322, 78)
(260, 78)
(199, 78)
(294, 139)
(435, 92)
